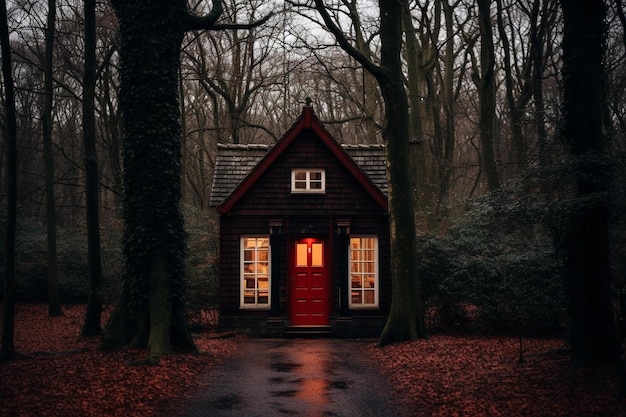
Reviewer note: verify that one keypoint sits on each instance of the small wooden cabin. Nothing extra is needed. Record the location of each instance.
(304, 235)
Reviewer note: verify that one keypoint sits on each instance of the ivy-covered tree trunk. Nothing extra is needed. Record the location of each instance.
(406, 320)
(587, 274)
(150, 312)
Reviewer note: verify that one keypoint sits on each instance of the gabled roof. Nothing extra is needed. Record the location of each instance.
(237, 167)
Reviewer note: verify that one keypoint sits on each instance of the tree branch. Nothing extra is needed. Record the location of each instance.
(209, 21)
(343, 41)
(195, 22)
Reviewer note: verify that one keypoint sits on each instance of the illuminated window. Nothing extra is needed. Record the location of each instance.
(255, 272)
(308, 181)
(363, 272)
(316, 250)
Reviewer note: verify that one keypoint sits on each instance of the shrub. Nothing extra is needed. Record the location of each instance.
(495, 271)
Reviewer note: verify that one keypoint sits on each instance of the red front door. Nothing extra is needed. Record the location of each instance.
(309, 283)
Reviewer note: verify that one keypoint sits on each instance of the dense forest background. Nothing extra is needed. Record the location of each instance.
(495, 188)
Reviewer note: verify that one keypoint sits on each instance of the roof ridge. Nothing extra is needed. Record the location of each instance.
(242, 145)
(363, 145)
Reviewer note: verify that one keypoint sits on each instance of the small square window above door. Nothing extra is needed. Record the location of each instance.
(308, 181)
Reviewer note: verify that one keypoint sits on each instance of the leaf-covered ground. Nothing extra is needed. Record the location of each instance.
(63, 375)
(449, 376)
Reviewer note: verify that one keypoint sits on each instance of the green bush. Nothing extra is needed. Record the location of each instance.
(495, 271)
(32, 264)
(201, 268)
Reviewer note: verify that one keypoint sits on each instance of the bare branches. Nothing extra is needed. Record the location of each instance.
(343, 41)
(209, 21)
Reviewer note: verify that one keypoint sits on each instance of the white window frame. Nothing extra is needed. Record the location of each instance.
(254, 273)
(358, 271)
(308, 181)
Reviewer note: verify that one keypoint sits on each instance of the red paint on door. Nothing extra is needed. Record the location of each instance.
(309, 283)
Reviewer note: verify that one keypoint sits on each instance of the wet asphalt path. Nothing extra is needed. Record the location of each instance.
(295, 377)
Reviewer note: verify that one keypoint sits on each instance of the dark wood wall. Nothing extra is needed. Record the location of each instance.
(271, 194)
(270, 198)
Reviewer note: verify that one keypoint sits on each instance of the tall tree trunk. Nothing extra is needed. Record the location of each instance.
(8, 294)
(520, 154)
(536, 54)
(487, 95)
(419, 143)
(406, 320)
(369, 82)
(588, 285)
(91, 326)
(406, 316)
(154, 243)
(151, 311)
(450, 131)
(54, 302)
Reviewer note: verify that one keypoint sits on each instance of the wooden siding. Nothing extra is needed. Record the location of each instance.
(232, 228)
(271, 193)
(269, 200)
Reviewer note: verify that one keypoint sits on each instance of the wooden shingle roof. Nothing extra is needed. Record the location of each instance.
(234, 163)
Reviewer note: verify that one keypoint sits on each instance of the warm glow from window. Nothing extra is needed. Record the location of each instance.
(363, 272)
(301, 254)
(255, 272)
(317, 257)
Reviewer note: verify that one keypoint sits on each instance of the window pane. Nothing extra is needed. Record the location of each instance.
(263, 283)
(307, 180)
(363, 267)
(318, 254)
(301, 254)
(248, 297)
(255, 269)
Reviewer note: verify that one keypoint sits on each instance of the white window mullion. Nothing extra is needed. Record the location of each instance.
(255, 272)
(363, 269)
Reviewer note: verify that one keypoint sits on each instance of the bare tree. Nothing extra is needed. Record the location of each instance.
(8, 294)
(406, 317)
(54, 302)
(484, 78)
(91, 325)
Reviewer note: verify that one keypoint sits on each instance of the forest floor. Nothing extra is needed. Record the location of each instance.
(60, 374)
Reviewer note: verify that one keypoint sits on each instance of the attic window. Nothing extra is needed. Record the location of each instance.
(308, 181)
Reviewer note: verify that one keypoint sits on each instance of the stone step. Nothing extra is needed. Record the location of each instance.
(309, 331)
